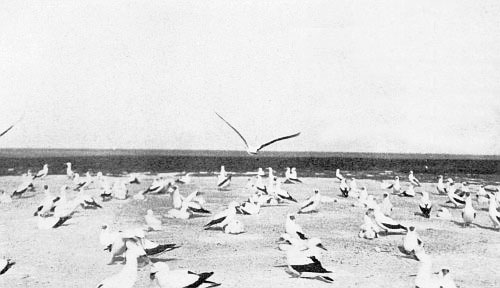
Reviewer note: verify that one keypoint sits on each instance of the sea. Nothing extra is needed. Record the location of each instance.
(472, 168)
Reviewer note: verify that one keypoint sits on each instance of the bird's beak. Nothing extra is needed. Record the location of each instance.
(321, 246)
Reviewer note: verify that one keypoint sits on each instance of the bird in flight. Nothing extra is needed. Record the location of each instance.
(253, 150)
(11, 126)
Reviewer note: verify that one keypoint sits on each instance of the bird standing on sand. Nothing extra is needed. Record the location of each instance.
(47, 204)
(167, 278)
(395, 186)
(468, 213)
(492, 211)
(69, 172)
(413, 180)
(386, 205)
(303, 264)
(281, 193)
(441, 189)
(311, 204)
(338, 175)
(425, 204)
(253, 150)
(411, 240)
(344, 189)
(292, 228)
(42, 173)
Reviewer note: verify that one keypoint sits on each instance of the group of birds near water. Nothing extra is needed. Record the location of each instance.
(303, 253)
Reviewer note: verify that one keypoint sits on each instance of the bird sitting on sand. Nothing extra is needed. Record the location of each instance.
(260, 172)
(158, 186)
(395, 186)
(153, 223)
(411, 241)
(425, 204)
(388, 224)
(386, 205)
(410, 192)
(234, 227)
(468, 213)
(249, 207)
(444, 213)
(133, 178)
(45, 223)
(413, 180)
(493, 212)
(167, 278)
(302, 264)
(5, 265)
(281, 193)
(42, 173)
(120, 190)
(293, 176)
(311, 204)
(223, 218)
(5, 197)
(344, 189)
(292, 228)
(26, 185)
(82, 183)
(127, 277)
(185, 179)
(87, 201)
(368, 230)
(47, 204)
(454, 198)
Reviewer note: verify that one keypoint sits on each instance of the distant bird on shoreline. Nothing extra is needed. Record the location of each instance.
(253, 150)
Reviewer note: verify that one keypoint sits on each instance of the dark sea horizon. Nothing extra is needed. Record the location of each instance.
(481, 168)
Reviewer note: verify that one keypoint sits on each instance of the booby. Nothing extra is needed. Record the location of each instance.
(5, 264)
(64, 207)
(413, 180)
(45, 223)
(270, 173)
(47, 204)
(26, 185)
(338, 175)
(69, 172)
(281, 193)
(410, 192)
(185, 210)
(152, 222)
(234, 227)
(128, 275)
(42, 173)
(87, 201)
(454, 198)
(446, 279)
(468, 213)
(5, 197)
(120, 190)
(344, 189)
(293, 229)
(395, 186)
(167, 278)
(82, 183)
(249, 208)
(441, 189)
(185, 179)
(387, 224)
(386, 205)
(425, 204)
(223, 171)
(253, 150)
(223, 181)
(260, 185)
(302, 264)
(311, 204)
(368, 230)
(222, 218)
(293, 176)
(261, 172)
(411, 241)
(492, 211)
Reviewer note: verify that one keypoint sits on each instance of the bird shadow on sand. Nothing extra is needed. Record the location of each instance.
(293, 275)
(486, 227)
(420, 214)
(23, 197)
(310, 212)
(156, 259)
(194, 216)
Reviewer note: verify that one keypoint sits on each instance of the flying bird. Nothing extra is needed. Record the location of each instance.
(11, 126)
(253, 150)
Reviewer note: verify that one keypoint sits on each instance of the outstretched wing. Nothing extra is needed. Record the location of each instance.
(278, 139)
(12, 126)
(239, 134)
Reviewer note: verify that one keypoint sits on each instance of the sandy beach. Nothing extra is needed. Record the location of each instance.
(71, 256)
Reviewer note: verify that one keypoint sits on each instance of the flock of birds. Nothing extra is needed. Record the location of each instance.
(303, 252)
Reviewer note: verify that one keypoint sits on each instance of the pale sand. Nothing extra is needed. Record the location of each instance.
(71, 256)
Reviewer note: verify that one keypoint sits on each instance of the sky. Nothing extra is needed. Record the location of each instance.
(351, 76)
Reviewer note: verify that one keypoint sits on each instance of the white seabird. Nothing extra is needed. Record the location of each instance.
(386, 223)
(413, 180)
(303, 264)
(128, 275)
(222, 218)
(5, 265)
(82, 183)
(386, 205)
(185, 179)
(69, 172)
(253, 150)
(492, 211)
(344, 188)
(292, 228)
(261, 172)
(338, 175)
(167, 278)
(120, 191)
(440, 185)
(395, 186)
(311, 204)
(468, 213)
(453, 197)
(411, 240)
(425, 204)
(223, 181)
(234, 227)
(410, 192)
(281, 193)
(152, 222)
(368, 230)
(47, 204)
(42, 173)
(25, 186)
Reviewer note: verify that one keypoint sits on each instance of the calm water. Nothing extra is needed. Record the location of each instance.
(317, 164)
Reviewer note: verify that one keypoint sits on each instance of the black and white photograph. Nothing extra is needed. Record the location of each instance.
(184, 144)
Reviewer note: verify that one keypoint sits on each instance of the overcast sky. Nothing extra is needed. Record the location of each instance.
(397, 76)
